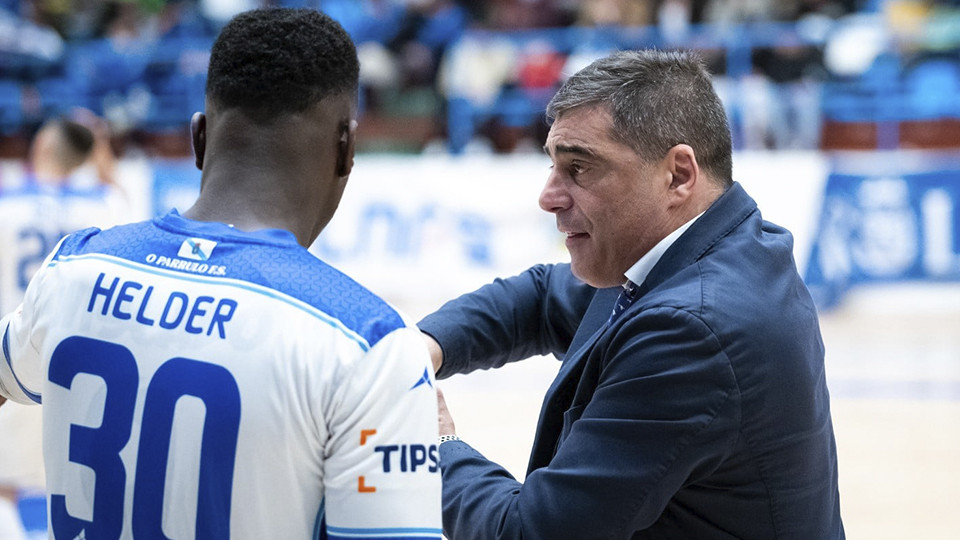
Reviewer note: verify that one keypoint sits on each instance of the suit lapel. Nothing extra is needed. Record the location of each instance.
(560, 394)
(592, 325)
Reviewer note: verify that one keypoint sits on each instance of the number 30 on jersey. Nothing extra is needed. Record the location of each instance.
(99, 448)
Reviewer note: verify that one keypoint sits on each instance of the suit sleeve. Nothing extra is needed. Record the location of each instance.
(534, 313)
(665, 412)
(381, 467)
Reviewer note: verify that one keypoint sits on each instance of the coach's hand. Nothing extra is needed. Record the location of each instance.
(444, 417)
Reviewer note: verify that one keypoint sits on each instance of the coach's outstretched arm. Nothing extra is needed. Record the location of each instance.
(534, 313)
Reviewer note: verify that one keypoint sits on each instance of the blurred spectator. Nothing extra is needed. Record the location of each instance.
(27, 49)
(221, 11)
(789, 87)
(367, 20)
(400, 43)
(107, 73)
(183, 19)
(539, 66)
(425, 30)
(522, 14)
(830, 8)
(615, 13)
(674, 18)
(477, 68)
(942, 30)
(733, 11)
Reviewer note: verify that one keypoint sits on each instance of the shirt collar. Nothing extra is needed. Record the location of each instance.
(173, 220)
(641, 269)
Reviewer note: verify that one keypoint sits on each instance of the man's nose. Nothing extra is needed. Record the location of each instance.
(554, 196)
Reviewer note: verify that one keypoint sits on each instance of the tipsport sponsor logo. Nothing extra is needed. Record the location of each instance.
(400, 458)
(408, 457)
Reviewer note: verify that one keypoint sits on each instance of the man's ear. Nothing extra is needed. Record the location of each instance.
(198, 133)
(681, 163)
(346, 147)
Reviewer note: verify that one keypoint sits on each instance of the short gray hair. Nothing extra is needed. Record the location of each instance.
(657, 99)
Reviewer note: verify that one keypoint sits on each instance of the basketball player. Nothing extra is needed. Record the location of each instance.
(203, 375)
(34, 216)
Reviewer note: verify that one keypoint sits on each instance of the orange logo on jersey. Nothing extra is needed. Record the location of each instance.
(362, 487)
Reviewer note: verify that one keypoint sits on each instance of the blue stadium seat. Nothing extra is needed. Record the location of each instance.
(11, 106)
(58, 95)
(518, 107)
(874, 96)
(100, 72)
(933, 89)
(175, 76)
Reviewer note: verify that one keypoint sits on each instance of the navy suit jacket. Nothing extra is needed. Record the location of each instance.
(701, 412)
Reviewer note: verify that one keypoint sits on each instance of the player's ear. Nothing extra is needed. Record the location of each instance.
(198, 133)
(346, 146)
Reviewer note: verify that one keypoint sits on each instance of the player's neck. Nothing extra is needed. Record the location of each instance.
(274, 175)
(251, 204)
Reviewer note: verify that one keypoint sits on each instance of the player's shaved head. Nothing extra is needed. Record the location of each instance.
(273, 61)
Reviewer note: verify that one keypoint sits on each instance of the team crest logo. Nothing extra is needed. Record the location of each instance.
(198, 249)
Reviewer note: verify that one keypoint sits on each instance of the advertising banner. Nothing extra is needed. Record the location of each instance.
(886, 226)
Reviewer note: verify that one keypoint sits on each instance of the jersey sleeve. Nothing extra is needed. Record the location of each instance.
(381, 468)
(21, 373)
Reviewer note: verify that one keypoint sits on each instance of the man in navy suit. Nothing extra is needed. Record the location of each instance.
(692, 401)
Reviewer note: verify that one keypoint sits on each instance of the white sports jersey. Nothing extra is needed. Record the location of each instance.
(33, 218)
(203, 382)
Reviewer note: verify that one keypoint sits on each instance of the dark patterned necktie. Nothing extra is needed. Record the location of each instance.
(627, 296)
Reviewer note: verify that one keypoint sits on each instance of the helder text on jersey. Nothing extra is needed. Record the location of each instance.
(129, 300)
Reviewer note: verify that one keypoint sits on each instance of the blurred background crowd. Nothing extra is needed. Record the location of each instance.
(474, 76)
